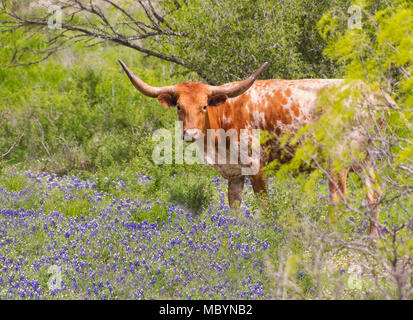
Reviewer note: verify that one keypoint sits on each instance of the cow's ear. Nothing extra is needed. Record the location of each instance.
(214, 101)
(167, 100)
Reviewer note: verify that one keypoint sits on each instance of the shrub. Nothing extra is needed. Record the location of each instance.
(192, 192)
(224, 41)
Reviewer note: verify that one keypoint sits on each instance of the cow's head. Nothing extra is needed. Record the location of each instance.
(193, 99)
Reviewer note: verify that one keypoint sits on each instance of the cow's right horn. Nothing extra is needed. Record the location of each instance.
(237, 88)
(144, 88)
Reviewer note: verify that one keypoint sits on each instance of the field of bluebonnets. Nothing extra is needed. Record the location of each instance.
(86, 214)
(114, 245)
(108, 246)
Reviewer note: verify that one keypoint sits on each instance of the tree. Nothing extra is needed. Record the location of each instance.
(227, 40)
(137, 25)
(220, 40)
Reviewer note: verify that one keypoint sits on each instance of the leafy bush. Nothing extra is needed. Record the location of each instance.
(191, 191)
(224, 41)
(81, 115)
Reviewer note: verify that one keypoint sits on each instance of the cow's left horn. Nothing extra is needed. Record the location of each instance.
(146, 89)
(238, 88)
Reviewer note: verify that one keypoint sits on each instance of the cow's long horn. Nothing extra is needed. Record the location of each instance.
(144, 88)
(238, 88)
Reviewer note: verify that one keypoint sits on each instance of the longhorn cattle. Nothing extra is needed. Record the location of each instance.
(277, 106)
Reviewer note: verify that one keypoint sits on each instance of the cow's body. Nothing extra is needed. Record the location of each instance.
(276, 106)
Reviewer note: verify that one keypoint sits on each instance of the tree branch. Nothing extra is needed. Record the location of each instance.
(12, 147)
(87, 20)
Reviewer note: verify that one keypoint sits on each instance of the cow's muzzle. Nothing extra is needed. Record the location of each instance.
(192, 134)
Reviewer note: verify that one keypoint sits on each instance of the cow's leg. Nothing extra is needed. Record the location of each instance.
(235, 186)
(343, 184)
(259, 185)
(373, 194)
(337, 183)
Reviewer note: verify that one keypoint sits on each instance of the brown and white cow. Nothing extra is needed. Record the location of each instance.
(277, 106)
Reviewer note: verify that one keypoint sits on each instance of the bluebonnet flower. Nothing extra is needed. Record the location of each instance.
(107, 244)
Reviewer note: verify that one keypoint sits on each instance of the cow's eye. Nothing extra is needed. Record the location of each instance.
(178, 107)
(204, 108)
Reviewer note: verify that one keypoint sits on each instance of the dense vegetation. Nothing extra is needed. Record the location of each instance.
(79, 190)
(226, 40)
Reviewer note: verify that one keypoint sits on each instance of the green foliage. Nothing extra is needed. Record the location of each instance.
(14, 182)
(191, 192)
(78, 112)
(379, 54)
(72, 208)
(10, 181)
(158, 214)
(224, 41)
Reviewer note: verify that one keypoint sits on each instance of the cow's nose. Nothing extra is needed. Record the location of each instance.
(192, 134)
